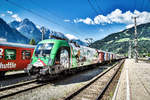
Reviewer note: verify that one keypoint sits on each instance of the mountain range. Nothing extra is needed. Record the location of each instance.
(11, 34)
(25, 30)
(28, 29)
(119, 42)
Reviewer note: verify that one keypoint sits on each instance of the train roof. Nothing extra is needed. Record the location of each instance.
(11, 44)
(53, 41)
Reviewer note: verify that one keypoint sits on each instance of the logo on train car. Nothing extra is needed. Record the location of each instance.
(8, 65)
(39, 63)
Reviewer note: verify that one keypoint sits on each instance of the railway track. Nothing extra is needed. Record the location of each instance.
(13, 76)
(14, 79)
(95, 89)
(19, 88)
(11, 90)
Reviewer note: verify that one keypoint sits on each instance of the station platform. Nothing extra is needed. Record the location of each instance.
(134, 82)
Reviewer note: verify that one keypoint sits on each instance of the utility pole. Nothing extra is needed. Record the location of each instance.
(129, 52)
(135, 40)
(43, 32)
(89, 41)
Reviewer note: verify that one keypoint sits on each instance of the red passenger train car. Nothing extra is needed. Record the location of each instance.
(14, 56)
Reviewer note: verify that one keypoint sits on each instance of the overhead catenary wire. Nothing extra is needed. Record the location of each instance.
(142, 4)
(34, 13)
(135, 5)
(52, 13)
(93, 7)
(99, 7)
(45, 9)
(97, 4)
(39, 15)
(95, 10)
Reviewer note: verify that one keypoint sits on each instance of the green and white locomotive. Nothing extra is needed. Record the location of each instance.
(53, 56)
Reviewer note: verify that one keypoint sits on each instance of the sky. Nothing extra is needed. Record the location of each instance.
(78, 18)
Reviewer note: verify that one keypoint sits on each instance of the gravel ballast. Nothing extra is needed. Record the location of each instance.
(60, 89)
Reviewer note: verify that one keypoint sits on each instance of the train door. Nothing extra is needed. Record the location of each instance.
(76, 52)
(101, 57)
(62, 59)
(65, 57)
(25, 57)
(8, 59)
(10, 56)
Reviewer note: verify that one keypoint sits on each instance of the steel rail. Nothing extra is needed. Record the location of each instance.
(16, 85)
(87, 85)
(108, 83)
(22, 90)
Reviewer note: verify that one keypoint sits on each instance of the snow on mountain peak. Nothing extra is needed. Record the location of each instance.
(70, 36)
(28, 29)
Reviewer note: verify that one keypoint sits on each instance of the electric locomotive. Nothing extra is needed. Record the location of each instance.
(52, 56)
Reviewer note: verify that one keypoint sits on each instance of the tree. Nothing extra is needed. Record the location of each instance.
(32, 42)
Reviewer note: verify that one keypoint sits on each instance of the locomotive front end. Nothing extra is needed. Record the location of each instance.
(41, 60)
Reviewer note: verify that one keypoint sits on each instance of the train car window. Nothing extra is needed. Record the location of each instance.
(10, 54)
(26, 54)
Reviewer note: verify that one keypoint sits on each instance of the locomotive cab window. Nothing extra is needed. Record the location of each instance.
(26, 54)
(43, 49)
(10, 54)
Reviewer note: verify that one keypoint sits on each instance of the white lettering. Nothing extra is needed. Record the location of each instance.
(1, 51)
(8, 65)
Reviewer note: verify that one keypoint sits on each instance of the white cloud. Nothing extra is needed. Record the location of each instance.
(86, 21)
(101, 30)
(100, 19)
(66, 20)
(70, 36)
(16, 17)
(117, 16)
(9, 12)
(2, 15)
(130, 25)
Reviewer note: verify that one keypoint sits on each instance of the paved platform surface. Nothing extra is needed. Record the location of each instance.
(134, 82)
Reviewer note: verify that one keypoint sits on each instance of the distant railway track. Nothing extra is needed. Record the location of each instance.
(19, 88)
(95, 89)
(145, 60)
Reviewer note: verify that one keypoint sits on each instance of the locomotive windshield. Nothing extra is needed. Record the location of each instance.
(44, 48)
